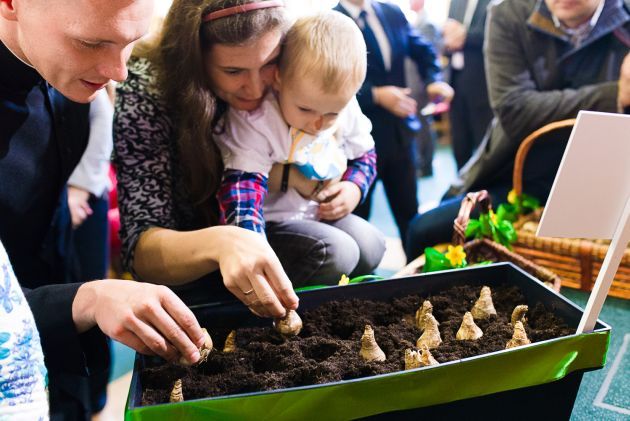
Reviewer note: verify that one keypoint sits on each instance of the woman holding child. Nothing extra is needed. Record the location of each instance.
(213, 56)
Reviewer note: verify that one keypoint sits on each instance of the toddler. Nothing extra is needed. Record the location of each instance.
(312, 120)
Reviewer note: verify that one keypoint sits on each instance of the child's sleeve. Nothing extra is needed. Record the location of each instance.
(362, 172)
(241, 197)
(358, 146)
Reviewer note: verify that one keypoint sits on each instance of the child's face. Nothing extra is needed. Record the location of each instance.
(306, 107)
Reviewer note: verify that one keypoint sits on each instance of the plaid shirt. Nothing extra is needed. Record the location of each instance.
(242, 194)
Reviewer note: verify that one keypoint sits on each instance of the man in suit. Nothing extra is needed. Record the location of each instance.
(470, 111)
(384, 99)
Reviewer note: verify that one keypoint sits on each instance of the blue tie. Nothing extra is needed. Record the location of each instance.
(370, 39)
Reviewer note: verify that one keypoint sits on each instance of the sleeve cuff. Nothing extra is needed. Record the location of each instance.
(65, 349)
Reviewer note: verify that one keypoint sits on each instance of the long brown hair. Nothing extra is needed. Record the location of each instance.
(196, 111)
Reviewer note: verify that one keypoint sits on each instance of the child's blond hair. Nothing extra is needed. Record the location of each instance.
(327, 46)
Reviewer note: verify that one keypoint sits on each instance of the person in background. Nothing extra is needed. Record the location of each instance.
(545, 61)
(88, 202)
(384, 99)
(470, 111)
(55, 57)
(426, 137)
(88, 193)
(310, 119)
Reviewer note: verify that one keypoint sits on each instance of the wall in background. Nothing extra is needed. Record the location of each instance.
(436, 9)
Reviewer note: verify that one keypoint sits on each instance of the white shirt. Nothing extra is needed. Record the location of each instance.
(92, 172)
(375, 24)
(255, 141)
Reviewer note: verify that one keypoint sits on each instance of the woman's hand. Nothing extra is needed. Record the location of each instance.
(253, 273)
(338, 200)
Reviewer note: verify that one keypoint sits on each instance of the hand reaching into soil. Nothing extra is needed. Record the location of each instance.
(148, 318)
(252, 272)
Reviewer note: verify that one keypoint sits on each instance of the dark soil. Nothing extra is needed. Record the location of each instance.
(327, 349)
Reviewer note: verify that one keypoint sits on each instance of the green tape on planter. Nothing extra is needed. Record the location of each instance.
(531, 365)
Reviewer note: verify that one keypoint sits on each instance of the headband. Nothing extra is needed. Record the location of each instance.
(247, 7)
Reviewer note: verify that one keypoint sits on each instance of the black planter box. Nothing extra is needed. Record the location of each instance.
(537, 380)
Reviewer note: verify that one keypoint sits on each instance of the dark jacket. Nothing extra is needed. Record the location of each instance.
(535, 76)
(42, 138)
(404, 42)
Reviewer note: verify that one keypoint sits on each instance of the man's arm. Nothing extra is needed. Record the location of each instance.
(73, 319)
(64, 349)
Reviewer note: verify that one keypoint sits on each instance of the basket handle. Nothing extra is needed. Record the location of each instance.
(525, 146)
(463, 217)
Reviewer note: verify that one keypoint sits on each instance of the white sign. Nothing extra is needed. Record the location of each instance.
(590, 197)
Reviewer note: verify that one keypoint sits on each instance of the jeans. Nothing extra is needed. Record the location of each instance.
(314, 252)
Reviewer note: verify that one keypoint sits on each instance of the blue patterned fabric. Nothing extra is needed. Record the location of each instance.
(22, 370)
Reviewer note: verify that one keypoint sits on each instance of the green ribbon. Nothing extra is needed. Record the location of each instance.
(521, 367)
(354, 280)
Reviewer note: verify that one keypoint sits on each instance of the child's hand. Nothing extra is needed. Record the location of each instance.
(338, 200)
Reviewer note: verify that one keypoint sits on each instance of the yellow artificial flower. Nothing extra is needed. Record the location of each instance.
(456, 255)
(493, 217)
(511, 197)
(344, 280)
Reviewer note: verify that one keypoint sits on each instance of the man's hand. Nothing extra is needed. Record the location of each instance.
(338, 200)
(148, 318)
(624, 84)
(396, 100)
(78, 204)
(454, 34)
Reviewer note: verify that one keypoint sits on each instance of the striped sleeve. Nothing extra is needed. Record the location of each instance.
(241, 198)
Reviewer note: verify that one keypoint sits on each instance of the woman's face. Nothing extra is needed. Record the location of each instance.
(241, 74)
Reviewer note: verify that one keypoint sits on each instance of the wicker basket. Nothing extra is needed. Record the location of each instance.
(484, 249)
(577, 261)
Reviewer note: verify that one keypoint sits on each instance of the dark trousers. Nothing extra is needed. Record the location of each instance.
(84, 255)
(470, 115)
(425, 144)
(91, 240)
(395, 166)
